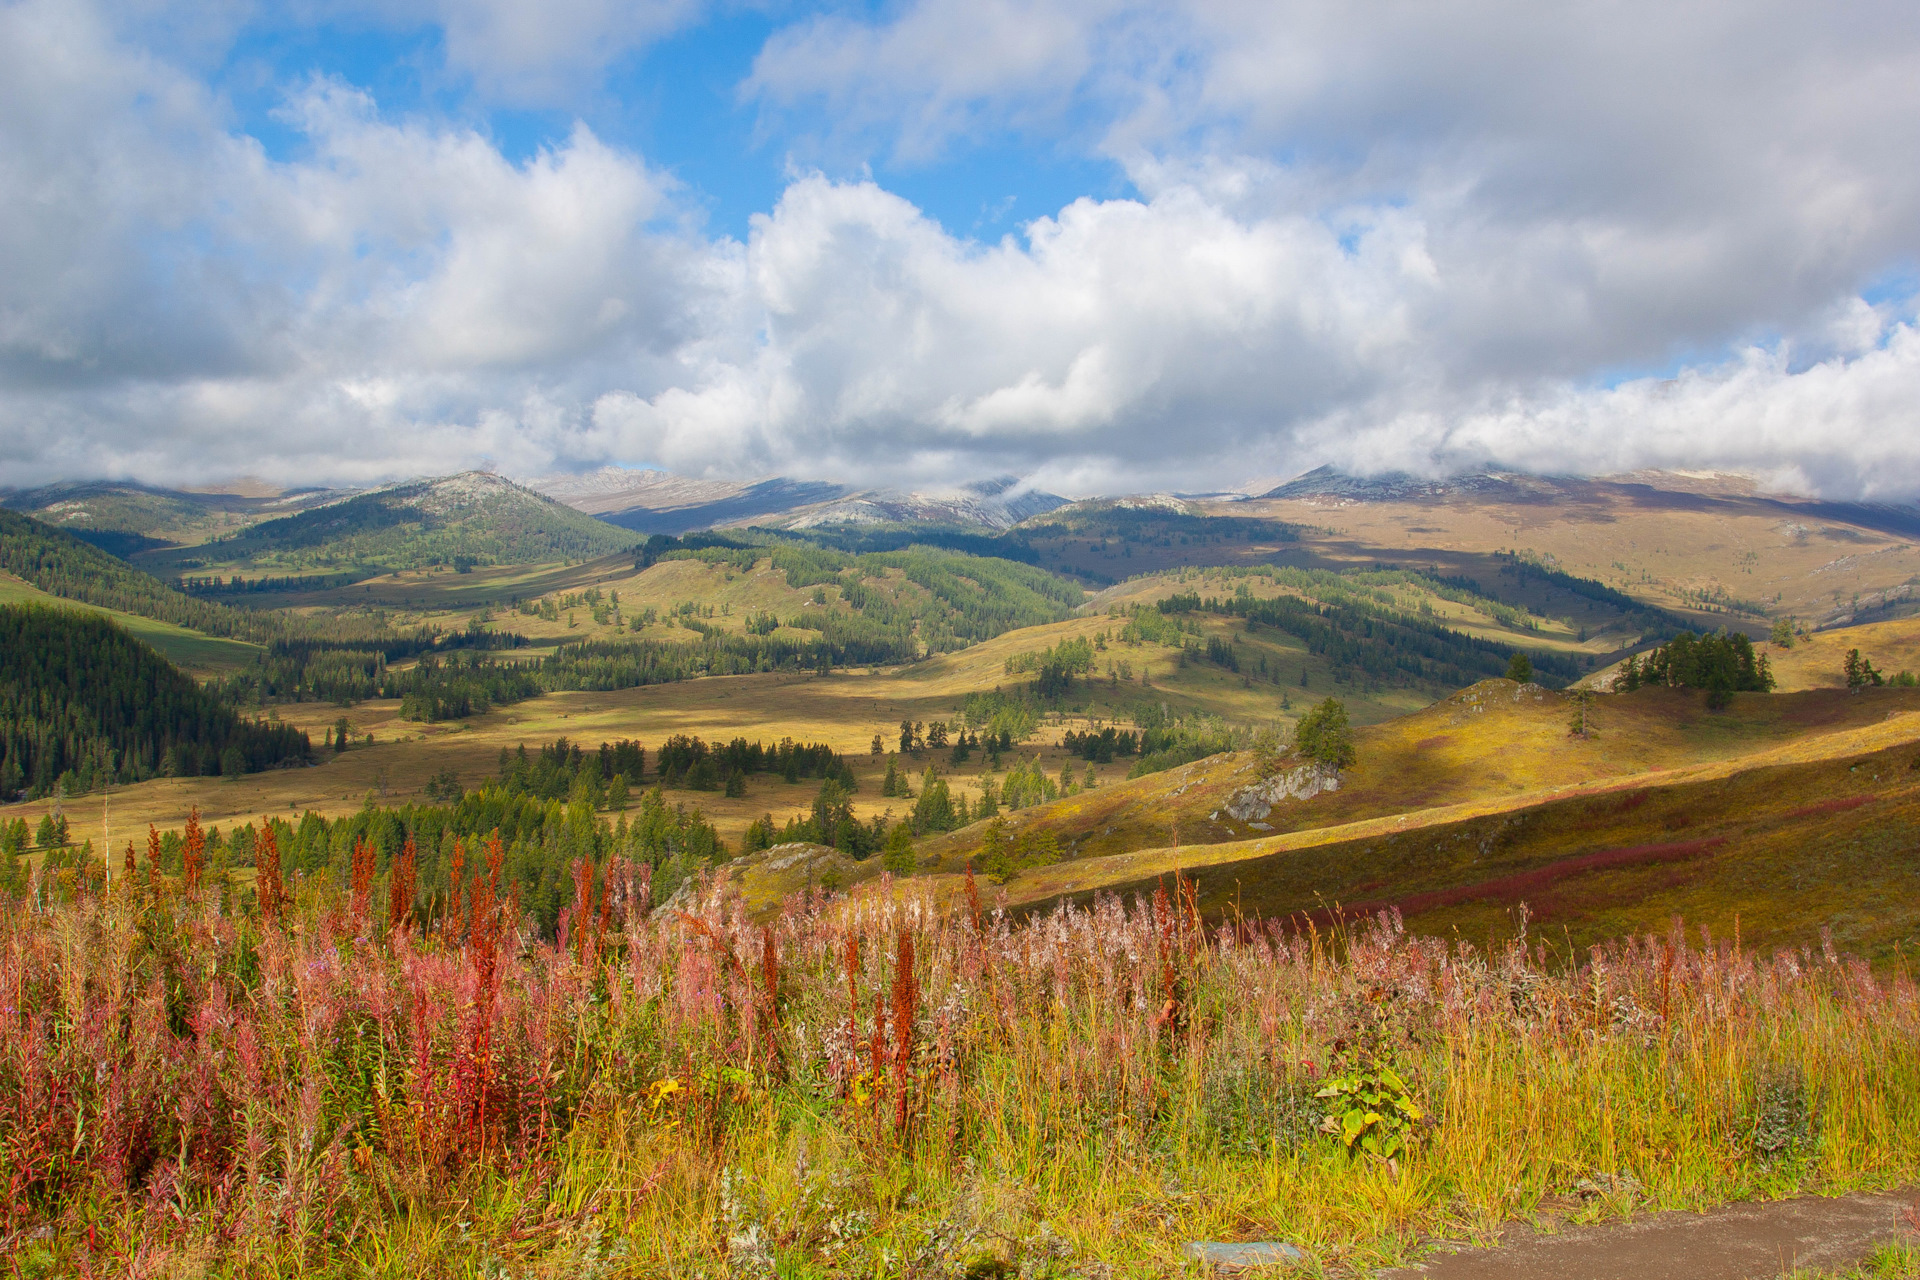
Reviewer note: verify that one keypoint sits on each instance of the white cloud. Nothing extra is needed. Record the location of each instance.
(1426, 241)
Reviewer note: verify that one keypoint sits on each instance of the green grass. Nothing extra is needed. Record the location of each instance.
(190, 650)
(1886, 1262)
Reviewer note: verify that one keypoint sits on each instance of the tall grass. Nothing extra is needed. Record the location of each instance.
(877, 1085)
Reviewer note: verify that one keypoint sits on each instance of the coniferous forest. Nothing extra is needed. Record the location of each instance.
(81, 700)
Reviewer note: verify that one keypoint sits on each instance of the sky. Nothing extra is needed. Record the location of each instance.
(1102, 245)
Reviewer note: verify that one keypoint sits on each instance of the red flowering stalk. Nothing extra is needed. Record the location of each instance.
(455, 919)
(362, 899)
(852, 960)
(266, 876)
(770, 993)
(194, 847)
(582, 915)
(400, 886)
(906, 1000)
(153, 857)
(483, 936)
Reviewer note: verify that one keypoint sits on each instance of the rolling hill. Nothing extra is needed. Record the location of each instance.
(126, 518)
(1786, 812)
(475, 518)
(82, 700)
(1713, 549)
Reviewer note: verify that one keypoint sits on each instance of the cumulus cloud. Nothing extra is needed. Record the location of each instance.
(1435, 239)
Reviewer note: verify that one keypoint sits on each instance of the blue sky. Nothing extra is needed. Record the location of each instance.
(682, 103)
(1103, 244)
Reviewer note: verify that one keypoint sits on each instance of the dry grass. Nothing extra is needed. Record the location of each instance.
(1657, 547)
(844, 710)
(1494, 744)
(1819, 833)
(1817, 661)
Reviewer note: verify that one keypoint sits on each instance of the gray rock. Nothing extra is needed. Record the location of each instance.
(1254, 1253)
(1302, 783)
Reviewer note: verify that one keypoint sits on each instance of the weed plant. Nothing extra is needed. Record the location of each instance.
(878, 1085)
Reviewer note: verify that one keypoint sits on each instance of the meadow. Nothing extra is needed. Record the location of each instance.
(1451, 993)
(343, 1084)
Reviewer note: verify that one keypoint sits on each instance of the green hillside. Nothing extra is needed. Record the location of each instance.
(471, 519)
(80, 700)
(193, 651)
(61, 564)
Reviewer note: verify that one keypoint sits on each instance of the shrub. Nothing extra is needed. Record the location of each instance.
(1324, 736)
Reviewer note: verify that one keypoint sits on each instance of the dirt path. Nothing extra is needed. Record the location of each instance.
(1738, 1242)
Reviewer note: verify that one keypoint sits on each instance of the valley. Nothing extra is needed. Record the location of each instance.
(1143, 790)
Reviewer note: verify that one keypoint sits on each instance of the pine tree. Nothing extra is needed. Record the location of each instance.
(1325, 736)
(1579, 724)
(898, 856)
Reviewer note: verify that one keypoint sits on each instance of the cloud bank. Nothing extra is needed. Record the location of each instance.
(1593, 240)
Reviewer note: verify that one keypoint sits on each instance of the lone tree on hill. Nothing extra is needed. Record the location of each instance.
(1324, 736)
(1520, 668)
(1860, 672)
(1580, 725)
(1781, 636)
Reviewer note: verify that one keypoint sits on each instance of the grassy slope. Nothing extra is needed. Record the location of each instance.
(410, 525)
(1816, 661)
(1488, 744)
(190, 650)
(1817, 834)
(1808, 806)
(1556, 632)
(1659, 548)
(440, 597)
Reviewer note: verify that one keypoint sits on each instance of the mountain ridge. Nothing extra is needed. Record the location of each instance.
(654, 501)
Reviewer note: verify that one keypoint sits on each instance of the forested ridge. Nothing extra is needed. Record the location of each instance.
(1383, 643)
(962, 598)
(81, 700)
(63, 565)
(460, 520)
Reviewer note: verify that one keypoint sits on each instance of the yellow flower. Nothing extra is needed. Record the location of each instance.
(661, 1091)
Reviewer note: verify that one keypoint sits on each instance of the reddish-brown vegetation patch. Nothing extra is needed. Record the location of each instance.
(1829, 806)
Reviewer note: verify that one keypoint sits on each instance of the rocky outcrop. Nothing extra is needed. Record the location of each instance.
(1250, 804)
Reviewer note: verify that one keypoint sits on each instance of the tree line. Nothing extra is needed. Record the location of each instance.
(1723, 663)
(83, 703)
(1387, 645)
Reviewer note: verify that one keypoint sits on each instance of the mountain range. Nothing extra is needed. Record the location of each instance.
(649, 501)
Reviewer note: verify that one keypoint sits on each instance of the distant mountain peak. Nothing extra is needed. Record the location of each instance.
(650, 501)
(1401, 486)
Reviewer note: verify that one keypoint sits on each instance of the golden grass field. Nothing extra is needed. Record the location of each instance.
(845, 710)
(1788, 811)
(1658, 547)
(1815, 835)
(1817, 661)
